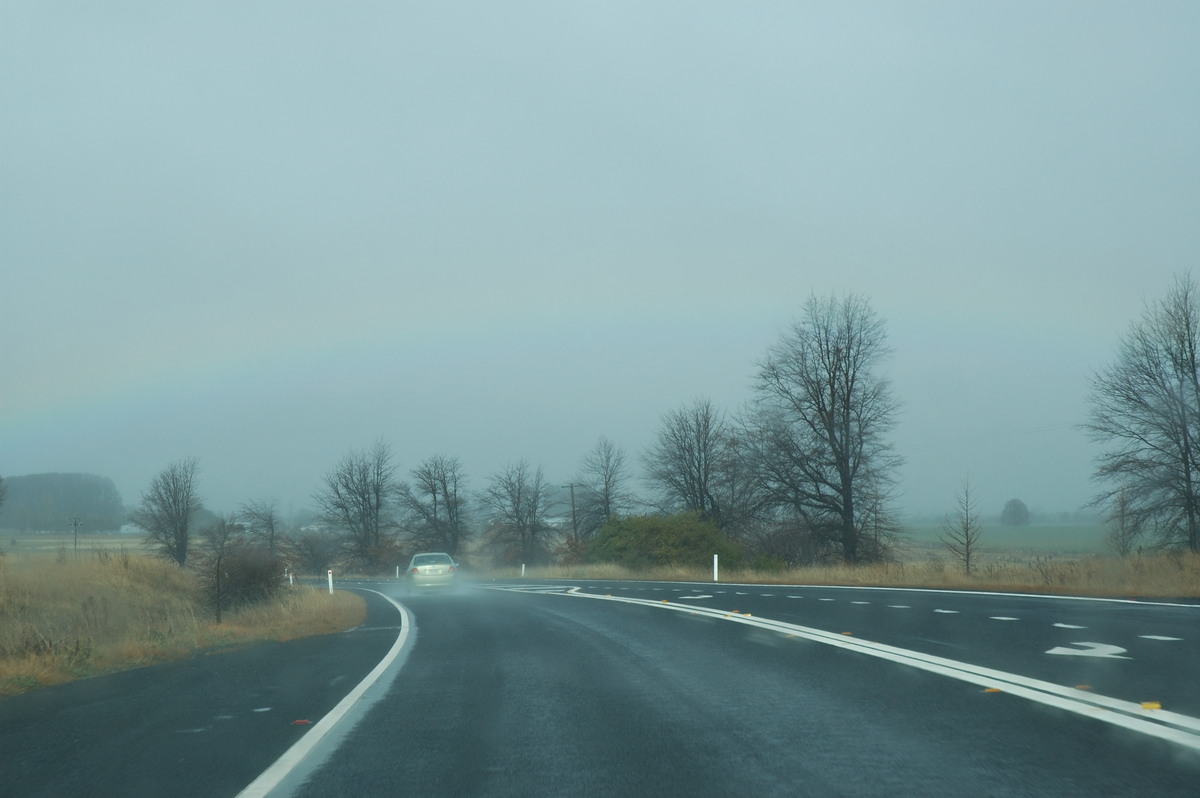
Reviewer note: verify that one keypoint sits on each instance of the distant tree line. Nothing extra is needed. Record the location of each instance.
(805, 473)
(52, 502)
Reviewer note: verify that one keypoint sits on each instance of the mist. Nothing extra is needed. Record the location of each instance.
(265, 235)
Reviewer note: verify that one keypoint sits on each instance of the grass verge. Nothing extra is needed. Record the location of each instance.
(65, 617)
(1159, 576)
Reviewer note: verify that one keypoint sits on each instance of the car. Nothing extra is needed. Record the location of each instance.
(432, 569)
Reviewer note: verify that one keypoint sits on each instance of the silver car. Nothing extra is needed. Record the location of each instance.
(431, 569)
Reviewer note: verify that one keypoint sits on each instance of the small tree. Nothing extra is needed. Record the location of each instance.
(962, 530)
(168, 508)
(1124, 526)
(234, 569)
(602, 477)
(1015, 513)
(517, 500)
(261, 520)
(358, 497)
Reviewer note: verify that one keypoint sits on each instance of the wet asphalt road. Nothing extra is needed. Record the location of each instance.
(519, 694)
(528, 694)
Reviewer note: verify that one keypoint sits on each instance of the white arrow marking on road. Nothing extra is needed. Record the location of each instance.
(1092, 650)
(1158, 637)
(1069, 626)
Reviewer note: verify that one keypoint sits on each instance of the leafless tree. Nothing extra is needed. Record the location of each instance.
(3, 491)
(314, 551)
(167, 509)
(358, 498)
(822, 419)
(1125, 526)
(1146, 408)
(684, 465)
(962, 531)
(261, 520)
(516, 500)
(436, 505)
(601, 484)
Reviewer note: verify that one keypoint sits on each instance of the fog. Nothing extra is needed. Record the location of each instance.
(263, 234)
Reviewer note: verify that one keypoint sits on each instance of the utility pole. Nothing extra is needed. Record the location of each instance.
(574, 522)
(75, 524)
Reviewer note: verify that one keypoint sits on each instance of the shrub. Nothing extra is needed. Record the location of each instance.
(649, 541)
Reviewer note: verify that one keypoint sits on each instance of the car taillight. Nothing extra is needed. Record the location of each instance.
(451, 569)
(415, 571)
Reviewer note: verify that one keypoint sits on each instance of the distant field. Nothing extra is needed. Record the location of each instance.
(1043, 539)
(16, 542)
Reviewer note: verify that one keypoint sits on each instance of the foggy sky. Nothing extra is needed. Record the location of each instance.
(263, 234)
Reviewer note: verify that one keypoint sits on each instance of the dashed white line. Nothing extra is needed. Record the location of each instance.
(1069, 626)
(948, 612)
(860, 602)
(1158, 637)
(1004, 618)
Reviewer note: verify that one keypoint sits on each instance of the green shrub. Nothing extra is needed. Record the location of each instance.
(647, 541)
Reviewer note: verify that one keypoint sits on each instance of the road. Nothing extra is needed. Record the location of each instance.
(624, 689)
(535, 692)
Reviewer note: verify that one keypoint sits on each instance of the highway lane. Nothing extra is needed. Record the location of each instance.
(541, 693)
(1136, 651)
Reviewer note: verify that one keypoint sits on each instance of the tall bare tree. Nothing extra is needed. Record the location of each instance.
(685, 463)
(601, 482)
(962, 530)
(436, 505)
(823, 417)
(1124, 526)
(358, 498)
(168, 507)
(516, 500)
(1146, 408)
(261, 521)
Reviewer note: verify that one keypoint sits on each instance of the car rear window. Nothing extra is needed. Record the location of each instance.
(432, 559)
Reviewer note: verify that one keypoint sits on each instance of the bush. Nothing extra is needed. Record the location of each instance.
(649, 541)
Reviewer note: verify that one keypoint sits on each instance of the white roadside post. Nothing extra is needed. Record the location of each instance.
(397, 571)
(331, 581)
(522, 570)
(714, 567)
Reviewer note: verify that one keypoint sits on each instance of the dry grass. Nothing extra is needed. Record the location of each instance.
(1158, 576)
(64, 617)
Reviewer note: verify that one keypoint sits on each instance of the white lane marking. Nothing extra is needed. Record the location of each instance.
(860, 602)
(795, 596)
(900, 606)
(1004, 618)
(263, 709)
(767, 595)
(687, 598)
(1172, 726)
(1104, 650)
(948, 612)
(271, 778)
(1158, 637)
(1069, 626)
(826, 599)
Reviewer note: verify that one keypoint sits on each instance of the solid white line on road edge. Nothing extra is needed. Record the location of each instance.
(270, 778)
(1172, 726)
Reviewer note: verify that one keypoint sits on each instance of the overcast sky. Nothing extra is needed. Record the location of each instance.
(266, 233)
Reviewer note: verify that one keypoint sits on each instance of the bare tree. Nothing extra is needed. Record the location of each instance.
(962, 531)
(315, 551)
(516, 500)
(1146, 407)
(168, 507)
(261, 520)
(358, 498)
(602, 478)
(1125, 526)
(3, 491)
(436, 505)
(684, 464)
(823, 417)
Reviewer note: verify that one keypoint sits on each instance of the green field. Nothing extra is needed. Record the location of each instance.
(1068, 539)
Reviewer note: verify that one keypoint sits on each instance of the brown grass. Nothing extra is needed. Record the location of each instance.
(64, 617)
(1157, 576)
